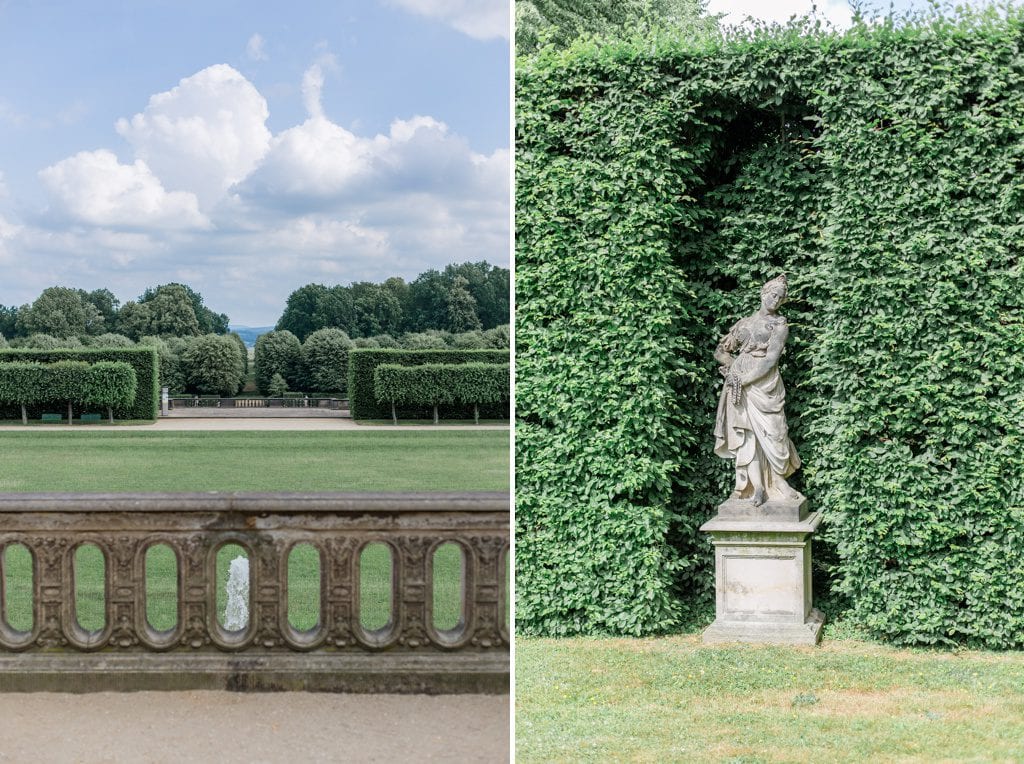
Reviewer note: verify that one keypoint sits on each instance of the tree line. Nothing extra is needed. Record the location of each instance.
(461, 298)
(168, 310)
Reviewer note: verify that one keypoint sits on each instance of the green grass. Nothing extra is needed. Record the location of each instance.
(248, 461)
(254, 461)
(674, 699)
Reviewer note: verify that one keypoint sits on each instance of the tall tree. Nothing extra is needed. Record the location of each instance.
(60, 312)
(303, 311)
(207, 321)
(277, 352)
(462, 315)
(213, 364)
(559, 22)
(172, 311)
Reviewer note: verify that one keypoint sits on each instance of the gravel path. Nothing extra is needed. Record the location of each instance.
(235, 727)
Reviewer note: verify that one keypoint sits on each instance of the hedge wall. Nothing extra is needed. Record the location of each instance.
(364, 405)
(143, 360)
(434, 384)
(658, 185)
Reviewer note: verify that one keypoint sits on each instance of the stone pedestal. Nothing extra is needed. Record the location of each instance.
(763, 573)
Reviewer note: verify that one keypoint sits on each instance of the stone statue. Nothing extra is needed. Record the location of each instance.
(751, 423)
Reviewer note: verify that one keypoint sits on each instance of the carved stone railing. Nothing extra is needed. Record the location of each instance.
(409, 654)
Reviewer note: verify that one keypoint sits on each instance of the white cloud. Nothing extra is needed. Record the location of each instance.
(7, 232)
(93, 187)
(4, 193)
(254, 48)
(836, 12)
(480, 19)
(204, 135)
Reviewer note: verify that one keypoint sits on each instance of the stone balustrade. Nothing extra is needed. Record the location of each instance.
(409, 653)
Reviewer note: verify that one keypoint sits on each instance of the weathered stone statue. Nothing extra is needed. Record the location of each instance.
(762, 532)
(751, 423)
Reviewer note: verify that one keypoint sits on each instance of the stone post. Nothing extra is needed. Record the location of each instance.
(165, 404)
(763, 573)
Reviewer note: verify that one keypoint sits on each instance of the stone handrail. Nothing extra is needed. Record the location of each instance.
(291, 402)
(407, 655)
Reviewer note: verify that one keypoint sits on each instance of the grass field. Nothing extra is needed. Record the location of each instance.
(674, 699)
(372, 460)
(248, 461)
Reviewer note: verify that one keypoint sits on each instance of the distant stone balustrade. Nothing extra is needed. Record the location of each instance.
(408, 653)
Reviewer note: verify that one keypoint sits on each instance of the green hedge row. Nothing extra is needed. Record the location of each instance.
(142, 360)
(363, 401)
(659, 183)
(435, 384)
(105, 384)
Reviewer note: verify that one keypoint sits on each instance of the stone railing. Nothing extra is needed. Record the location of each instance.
(409, 653)
(185, 402)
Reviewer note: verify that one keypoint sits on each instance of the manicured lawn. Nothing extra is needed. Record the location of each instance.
(248, 461)
(112, 461)
(673, 699)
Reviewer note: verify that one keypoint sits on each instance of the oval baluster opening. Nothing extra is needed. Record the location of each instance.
(448, 569)
(161, 588)
(234, 600)
(376, 587)
(506, 592)
(18, 588)
(90, 574)
(304, 583)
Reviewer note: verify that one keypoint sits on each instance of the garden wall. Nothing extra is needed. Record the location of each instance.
(658, 185)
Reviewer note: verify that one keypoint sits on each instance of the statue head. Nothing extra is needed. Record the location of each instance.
(774, 292)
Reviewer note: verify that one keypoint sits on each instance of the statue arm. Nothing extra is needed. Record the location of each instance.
(771, 357)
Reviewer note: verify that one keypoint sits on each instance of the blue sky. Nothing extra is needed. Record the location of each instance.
(249, 148)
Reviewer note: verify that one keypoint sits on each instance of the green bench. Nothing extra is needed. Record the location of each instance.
(51, 417)
(91, 418)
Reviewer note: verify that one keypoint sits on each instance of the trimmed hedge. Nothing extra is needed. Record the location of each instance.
(106, 383)
(658, 185)
(434, 384)
(363, 402)
(142, 360)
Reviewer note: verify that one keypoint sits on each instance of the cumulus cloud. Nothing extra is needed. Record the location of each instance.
(204, 135)
(836, 12)
(7, 232)
(480, 19)
(94, 187)
(254, 49)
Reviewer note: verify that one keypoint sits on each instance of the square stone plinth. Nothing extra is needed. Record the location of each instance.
(763, 580)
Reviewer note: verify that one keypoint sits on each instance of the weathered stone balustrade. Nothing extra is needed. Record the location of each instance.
(408, 654)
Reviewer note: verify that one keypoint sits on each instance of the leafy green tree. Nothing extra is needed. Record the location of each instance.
(3, 341)
(168, 353)
(325, 360)
(8, 320)
(428, 340)
(366, 342)
(212, 364)
(384, 341)
(60, 312)
(473, 340)
(236, 337)
(376, 309)
(498, 337)
(110, 340)
(303, 311)
(490, 287)
(428, 302)
(277, 387)
(134, 320)
(277, 352)
(462, 315)
(207, 321)
(171, 310)
(105, 302)
(48, 342)
(559, 22)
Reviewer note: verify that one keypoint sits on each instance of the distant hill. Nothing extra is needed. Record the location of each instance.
(250, 333)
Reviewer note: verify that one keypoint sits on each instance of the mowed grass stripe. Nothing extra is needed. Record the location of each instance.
(254, 461)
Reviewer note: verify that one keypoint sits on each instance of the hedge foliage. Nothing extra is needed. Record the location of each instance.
(145, 400)
(658, 185)
(435, 383)
(364, 404)
(104, 383)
